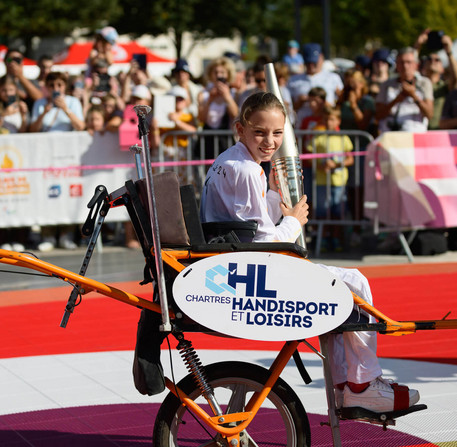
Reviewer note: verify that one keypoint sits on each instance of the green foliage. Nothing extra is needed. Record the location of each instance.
(354, 23)
(44, 18)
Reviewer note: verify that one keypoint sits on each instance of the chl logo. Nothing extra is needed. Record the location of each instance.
(254, 280)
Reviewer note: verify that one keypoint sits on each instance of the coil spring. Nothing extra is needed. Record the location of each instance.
(193, 364)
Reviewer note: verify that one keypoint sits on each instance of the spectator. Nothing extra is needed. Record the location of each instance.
(357, 107)
(238, 84)
(183, 77)
(434, 70)
(139, 76)
(45, 64)
(316, 100)
(54, 113)
(216, 104)
(95, 120)
(58, 111)
(102, 50)
(293, 58)
(315, 76)
(260, 83)
(13, 111)
(363, 64)
(405, 102)
(332, 174)
(176, 147)
(380, 66)
(27, 91)
(113, 107)
(449, 113)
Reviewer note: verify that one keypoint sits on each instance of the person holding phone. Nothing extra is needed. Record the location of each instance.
(405, 102)
(14, 66)
(432, 42)
(58, 111)
(13, 112)
(216, 103)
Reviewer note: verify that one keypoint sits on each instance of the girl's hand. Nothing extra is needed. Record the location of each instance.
(300, 211)
(272, 180)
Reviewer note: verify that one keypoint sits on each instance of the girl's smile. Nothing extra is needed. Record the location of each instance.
(263, 134)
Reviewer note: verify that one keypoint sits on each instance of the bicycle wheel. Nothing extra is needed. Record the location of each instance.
(281, 421)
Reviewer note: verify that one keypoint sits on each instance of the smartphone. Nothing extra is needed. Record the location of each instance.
(141, 59)
(434, 40)
(104, 84)
(11, 100)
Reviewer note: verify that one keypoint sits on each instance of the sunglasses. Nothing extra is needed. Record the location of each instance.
(260, 81)
(15, 59)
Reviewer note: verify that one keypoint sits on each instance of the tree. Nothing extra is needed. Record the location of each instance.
(49, 18)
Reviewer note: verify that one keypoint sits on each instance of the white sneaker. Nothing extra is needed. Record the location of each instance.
(378, 397)
(45, 246)
(6, 246)
(17, 246)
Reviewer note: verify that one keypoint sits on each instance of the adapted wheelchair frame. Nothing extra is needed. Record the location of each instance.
(165, 218)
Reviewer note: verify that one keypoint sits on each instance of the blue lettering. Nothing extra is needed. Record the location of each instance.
(248, 279)
(261, 279)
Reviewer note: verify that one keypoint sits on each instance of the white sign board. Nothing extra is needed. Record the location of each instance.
(262, 296)
(59, 196)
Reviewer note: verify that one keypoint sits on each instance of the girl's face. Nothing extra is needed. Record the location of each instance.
(96, 121)
(6, 91)
(219, 72)
(263, 134)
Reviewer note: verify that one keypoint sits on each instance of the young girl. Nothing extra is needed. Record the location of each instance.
(236, 189)
(95, 120)
(13, 112)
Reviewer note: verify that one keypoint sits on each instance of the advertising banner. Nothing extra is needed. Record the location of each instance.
(49, 178)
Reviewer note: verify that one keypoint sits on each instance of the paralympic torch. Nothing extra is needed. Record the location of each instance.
(286, 160)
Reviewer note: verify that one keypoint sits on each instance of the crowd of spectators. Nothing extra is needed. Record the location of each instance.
(409, 89)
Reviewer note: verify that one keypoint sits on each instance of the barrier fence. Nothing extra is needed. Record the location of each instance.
(48, 178)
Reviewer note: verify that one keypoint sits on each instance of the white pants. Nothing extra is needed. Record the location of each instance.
(353, 354)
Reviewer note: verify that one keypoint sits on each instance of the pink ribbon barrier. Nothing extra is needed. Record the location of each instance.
(162, 164)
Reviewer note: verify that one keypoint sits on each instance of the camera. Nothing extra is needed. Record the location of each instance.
(434, 42)
(393, 125)
(11, 100)
(104, 85)
(223, 80)
(55, 95)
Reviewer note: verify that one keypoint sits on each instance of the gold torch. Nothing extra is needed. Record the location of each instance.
(286, 160)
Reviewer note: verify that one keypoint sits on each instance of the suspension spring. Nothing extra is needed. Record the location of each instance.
(194, 365)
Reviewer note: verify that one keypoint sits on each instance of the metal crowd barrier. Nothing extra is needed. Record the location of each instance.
(187, 153)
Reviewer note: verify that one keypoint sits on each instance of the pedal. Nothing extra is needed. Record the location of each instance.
(384, 418)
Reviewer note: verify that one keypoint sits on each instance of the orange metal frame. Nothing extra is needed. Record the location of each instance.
(175, 259)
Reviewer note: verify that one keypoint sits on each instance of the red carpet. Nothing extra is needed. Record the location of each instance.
(100, 324)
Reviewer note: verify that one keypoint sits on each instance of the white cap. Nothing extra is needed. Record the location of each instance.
(178, 92)
(141, 91)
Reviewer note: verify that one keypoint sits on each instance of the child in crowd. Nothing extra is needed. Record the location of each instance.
(332, 173)
(316, 101)
(13, 112)
(236, 189)
(95, 120)
(176, 147)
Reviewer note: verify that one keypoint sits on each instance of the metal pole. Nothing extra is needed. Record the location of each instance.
(326, 27)
(136, 150)
(141, 112)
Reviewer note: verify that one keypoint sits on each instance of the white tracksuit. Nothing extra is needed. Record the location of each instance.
(236, 189)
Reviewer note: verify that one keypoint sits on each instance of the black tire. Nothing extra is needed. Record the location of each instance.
(281, 421)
